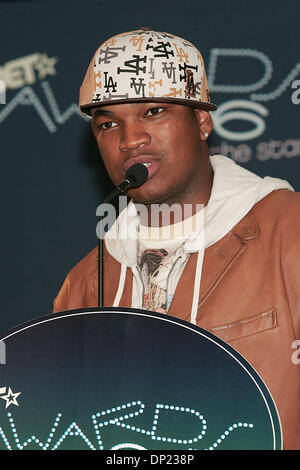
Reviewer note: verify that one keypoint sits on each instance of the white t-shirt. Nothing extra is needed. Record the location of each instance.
(160, 251)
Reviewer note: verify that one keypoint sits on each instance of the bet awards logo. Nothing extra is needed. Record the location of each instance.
(21, 74)
(121, 417)
(250, 110)
(27, 70)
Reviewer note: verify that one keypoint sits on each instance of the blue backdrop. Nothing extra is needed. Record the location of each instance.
(52, 178)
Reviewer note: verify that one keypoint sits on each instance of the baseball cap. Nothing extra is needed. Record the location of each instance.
(145, 65)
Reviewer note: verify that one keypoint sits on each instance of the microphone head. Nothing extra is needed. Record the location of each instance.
(137, 175)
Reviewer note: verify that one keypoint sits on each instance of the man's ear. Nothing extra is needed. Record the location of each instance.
(205, 123)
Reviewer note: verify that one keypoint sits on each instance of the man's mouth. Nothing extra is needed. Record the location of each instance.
(152, 164)
(152, 167)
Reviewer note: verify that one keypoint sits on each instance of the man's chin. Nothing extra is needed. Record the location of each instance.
(146, 202)
(147, 198)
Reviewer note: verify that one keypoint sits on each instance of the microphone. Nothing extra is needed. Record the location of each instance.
(135, 176)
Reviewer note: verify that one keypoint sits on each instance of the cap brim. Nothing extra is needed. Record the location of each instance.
(86, 108)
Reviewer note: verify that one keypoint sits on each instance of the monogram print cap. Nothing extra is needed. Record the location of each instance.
(145, 65)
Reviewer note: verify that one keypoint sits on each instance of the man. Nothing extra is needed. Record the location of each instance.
(231, 267)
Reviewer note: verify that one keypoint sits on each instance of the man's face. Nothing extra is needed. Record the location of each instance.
(166, 137)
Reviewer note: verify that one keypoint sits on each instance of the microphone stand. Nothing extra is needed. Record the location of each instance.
(120, 189)
(135, 176)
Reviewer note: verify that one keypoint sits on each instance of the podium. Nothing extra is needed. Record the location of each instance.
(113, 378)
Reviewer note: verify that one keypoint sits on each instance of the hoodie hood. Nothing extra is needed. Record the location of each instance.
(234, 192)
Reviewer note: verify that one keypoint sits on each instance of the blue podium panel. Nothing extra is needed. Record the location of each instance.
(111, 378)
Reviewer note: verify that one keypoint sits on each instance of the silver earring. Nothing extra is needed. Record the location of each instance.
(205, 134)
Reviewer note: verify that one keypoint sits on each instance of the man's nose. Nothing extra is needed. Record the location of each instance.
(133, 136)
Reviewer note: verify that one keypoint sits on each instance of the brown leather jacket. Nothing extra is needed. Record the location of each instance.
(249, 297)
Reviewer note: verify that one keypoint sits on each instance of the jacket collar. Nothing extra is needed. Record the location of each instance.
(218, 261)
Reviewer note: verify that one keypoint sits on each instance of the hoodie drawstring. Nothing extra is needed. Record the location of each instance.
(121, 285)
(197, 283)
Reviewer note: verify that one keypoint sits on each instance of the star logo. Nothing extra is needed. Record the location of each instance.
(10, 397)
(45, 66)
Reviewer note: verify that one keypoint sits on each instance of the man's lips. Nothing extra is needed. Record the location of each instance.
(152, 167)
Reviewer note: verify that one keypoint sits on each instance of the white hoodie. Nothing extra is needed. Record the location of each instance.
(235, 191)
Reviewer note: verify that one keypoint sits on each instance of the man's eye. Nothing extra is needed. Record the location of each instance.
(107, 125)
(154, 111)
